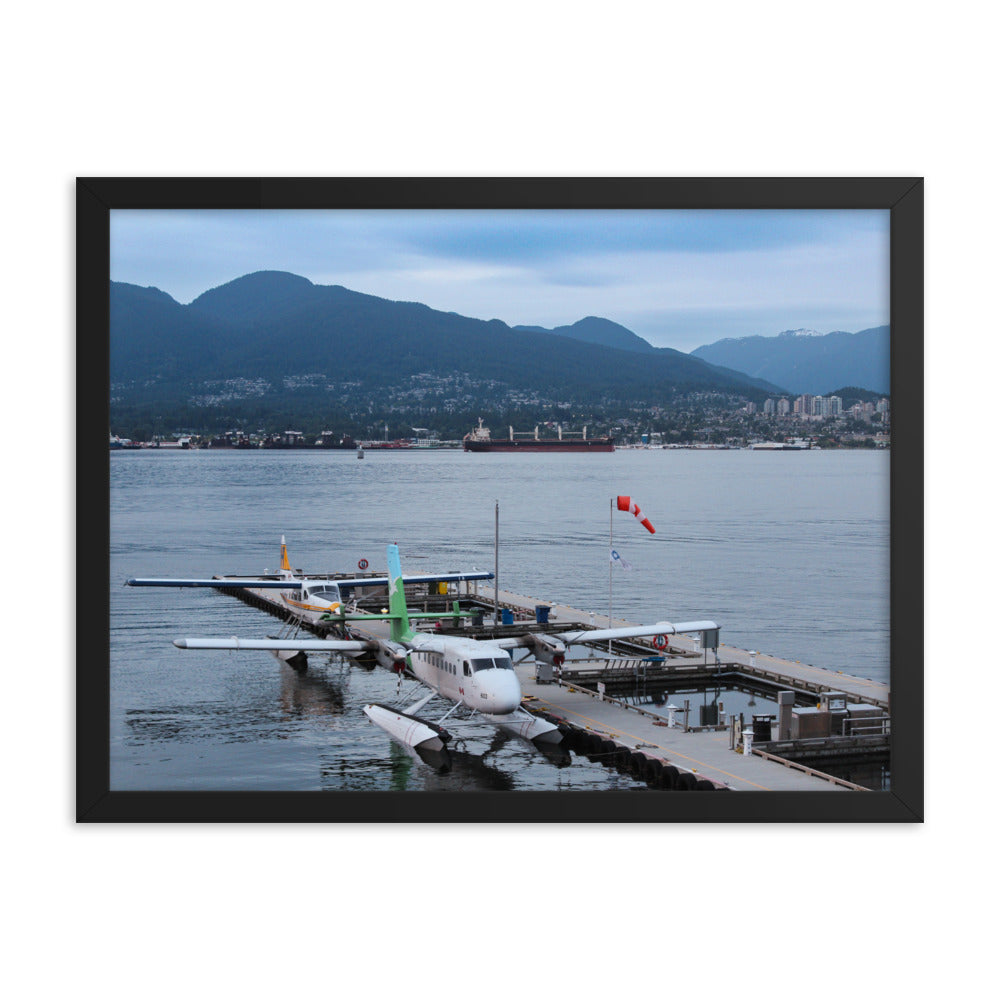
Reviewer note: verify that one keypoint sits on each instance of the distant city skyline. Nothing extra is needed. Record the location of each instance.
(679, 279)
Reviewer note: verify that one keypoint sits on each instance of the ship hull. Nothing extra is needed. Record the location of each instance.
(597, 444)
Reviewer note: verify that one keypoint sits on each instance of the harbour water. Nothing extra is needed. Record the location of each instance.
(789, 552)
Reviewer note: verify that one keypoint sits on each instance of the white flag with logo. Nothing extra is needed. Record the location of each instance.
(616, 558)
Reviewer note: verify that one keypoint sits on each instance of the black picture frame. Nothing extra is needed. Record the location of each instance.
(97, 197)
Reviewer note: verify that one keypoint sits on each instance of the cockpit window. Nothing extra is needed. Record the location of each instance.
(500, 663)
(326, 595)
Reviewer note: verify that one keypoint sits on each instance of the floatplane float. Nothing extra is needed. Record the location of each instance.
(476, 675)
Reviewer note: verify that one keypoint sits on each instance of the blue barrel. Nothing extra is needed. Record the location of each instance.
(507, 616)
(542, 614)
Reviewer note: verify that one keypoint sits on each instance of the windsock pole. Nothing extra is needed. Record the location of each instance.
(629, 505)
(611, 565)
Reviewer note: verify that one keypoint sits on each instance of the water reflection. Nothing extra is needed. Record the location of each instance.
(312, 693)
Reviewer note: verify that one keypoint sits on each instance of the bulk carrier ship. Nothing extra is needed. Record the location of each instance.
(479, 440)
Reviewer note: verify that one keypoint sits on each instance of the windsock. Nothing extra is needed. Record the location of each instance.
(627, 503)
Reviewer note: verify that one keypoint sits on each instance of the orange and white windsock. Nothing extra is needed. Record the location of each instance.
(627, 503)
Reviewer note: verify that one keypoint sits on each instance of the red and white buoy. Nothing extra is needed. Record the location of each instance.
(627, 503)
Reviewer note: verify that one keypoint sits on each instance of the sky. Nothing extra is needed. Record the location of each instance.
(679, 279)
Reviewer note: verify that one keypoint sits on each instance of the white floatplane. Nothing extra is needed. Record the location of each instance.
(476, 675)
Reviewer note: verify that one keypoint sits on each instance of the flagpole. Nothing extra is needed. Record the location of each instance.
(611, 562)
(496, 565)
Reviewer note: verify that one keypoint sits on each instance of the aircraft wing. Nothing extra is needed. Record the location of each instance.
(634, 631)
(598, 634)
(222, 584)
(383, 581)
(294, 584)
(305, 645)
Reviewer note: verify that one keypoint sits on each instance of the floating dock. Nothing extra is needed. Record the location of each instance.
(588, 697)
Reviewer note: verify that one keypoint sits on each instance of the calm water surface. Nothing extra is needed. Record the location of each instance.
(789, 552)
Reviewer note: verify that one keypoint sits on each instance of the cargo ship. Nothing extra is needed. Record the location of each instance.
(793, 444)
(479, 439)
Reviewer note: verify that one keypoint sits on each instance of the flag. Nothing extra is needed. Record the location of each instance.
(624, 563)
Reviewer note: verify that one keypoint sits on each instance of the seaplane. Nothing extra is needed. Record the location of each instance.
(306, 599)
(476, 675)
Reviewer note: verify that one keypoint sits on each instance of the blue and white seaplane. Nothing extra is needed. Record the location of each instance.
(476, 675)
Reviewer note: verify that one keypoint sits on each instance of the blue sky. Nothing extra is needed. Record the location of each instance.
(677, 278)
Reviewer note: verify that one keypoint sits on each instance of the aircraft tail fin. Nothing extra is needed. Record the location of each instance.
(401, 630)
(285, 565)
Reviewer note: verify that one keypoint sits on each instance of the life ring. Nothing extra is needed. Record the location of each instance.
(660, 641)
(362, 564)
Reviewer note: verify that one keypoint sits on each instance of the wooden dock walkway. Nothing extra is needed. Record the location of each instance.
(705, 755)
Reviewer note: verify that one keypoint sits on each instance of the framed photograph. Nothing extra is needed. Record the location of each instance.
(500, 500)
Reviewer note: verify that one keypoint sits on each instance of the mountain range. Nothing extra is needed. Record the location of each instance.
(801, 361)
(275, 345)
(806, 362)
(272, 337)
(594, 330)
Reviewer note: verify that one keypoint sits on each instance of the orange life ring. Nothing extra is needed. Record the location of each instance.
(660, 642)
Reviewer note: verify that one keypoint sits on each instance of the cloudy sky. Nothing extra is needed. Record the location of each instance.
(677, 278)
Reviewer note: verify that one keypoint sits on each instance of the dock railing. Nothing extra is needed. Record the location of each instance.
(794, 765)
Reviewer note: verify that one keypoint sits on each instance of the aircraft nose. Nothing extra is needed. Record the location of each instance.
(504, 692)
